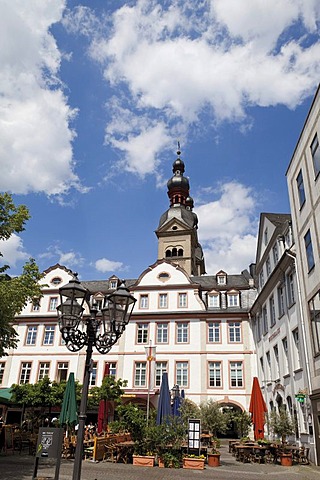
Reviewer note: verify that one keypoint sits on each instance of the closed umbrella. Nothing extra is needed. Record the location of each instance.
(164, 402)
(177, 401)
(257, 409)
(103, 407)
(68, 414)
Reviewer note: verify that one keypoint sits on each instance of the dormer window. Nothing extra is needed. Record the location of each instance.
(56, 281)
(233, 298)
(221, 278)
(213, 300)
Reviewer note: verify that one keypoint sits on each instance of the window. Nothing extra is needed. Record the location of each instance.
(182, 332)
(214, 332)
(261, 365)
(236, 374)
(276, 360)
(144, 301)
(182, 300)
(163, 300)
(93, 375)
(268, 266)
(265, 236)
(62, 373)
(272, 311)
(2, 367)
(268, 358)
(162, 333)
(221, 279)
(281, 300)
(112, 368)
(295, 335)
(35, 305)
(315, 152)
(290, 288)
(285, 354)
(25, 373)
(113, 284)
(53, 303)
(301, 192)
(234, 332)
(215, 374)
(261, 279)
(275, 252)
(309, 250)
(161, 367)
(44, 368)
(99, 303)
(258, 327)
(233, 299)
(48, 335)
(31, 335)
(314, 312)
(142, 332)
(56, 281)
(182, 374)
(140, 374)
(214, 301)
(265, 320)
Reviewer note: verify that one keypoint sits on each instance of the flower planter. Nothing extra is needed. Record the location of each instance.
(193, 463)
(286, 459)
(214, 459)
(143, 461)
(160, 462)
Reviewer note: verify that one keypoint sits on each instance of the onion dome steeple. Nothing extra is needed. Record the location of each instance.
(178, 185)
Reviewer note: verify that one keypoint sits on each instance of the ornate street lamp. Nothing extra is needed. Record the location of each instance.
(100, 329)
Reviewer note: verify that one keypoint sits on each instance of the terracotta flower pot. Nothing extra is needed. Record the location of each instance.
(143, 461)
(193, 463)
(214, 459)
(286, 459)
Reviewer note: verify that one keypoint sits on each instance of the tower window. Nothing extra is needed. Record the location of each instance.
(174, 252)
(180, 252)
(168, 253)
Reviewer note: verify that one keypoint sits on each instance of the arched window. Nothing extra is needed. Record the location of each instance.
(168, 253)
(180, 252)
(176, 199)
(174, 252)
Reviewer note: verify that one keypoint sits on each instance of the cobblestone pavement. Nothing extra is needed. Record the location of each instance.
(20, 467)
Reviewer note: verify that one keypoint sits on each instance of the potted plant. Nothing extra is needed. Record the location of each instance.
(213, 458)
(282, 425)
(169, 460)
(195, 462)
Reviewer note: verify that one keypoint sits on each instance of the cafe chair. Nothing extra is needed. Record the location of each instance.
(304, 455)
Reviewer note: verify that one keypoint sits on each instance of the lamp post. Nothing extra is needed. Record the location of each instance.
(100, 329)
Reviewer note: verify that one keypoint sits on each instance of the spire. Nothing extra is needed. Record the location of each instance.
(178, 185)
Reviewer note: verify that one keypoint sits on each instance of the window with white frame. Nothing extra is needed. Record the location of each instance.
(142, 332)
(112, 368)
(234, 329)
(285, 354)
(182, 300)
(2, 367)
(221, 279)
(214, 332)
(290, 289)
(53, 303)
(113, 284)
(162, 332)
(261, 279)
(272, 311)
(281, 300)
(236, 374)
(258, 327)
(268, 266)
(261, 365)
(314, 312)
(48, 335)
(31, 335)
(163, 300)
(233, 299)
(93, 375)
(296, 341)
(44, 368)
(300, 187)
(140, 374)
(182, 377)
(35, 305)
(315, 152)
(144, 301)
(268, 358)
(276, 361)
(309, 250)
(161, 367)
(213, 300)
(62, 371)
(215, 379)
(182, 332)
(275, 252)
(25, 373)
(265, 320)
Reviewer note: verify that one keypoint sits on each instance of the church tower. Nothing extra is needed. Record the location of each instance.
(177, 230)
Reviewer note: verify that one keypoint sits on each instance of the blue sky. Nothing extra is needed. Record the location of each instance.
(95, 96)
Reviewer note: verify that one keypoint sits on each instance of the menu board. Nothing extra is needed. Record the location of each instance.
(194, 428)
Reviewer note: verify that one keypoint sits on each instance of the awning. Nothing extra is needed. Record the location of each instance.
(5, 395)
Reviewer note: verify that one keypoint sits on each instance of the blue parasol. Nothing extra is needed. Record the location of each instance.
(164, 402)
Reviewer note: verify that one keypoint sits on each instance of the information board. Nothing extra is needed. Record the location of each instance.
(194, 429)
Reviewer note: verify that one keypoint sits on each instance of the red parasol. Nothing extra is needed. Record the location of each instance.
(257, 409)
(103, 407)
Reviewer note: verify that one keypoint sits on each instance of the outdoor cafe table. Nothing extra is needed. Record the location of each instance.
(124, 451)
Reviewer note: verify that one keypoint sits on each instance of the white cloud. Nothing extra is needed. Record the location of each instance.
(12, 251)
(171, 61)
(228, 228)
(104, 265)
(35, 118)
(57, 255)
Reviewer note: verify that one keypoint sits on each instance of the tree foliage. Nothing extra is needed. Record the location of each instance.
(213, 418)
(281, 423)
(111, 390)
(14, 292)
